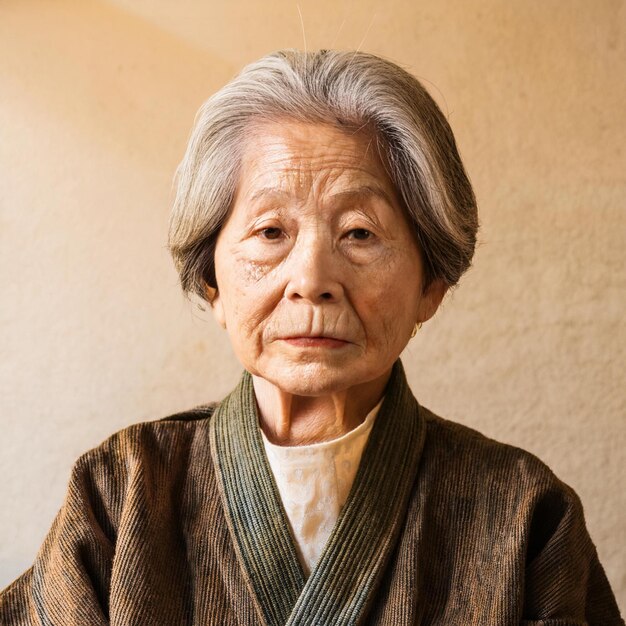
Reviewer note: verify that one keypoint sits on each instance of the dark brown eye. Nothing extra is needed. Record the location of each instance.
(360, 233)
(271, 233)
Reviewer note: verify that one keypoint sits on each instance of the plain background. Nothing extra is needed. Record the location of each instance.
(96, 103)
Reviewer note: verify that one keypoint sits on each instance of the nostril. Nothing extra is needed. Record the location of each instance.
(326, 296)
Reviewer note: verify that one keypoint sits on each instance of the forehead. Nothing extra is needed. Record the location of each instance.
(302, 157)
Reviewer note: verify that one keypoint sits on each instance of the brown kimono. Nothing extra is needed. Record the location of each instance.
(179, 521)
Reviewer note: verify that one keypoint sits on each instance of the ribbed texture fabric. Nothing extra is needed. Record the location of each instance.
(178, 522)
(256, 520)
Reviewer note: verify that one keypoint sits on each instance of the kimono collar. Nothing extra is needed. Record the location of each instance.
(343, 582)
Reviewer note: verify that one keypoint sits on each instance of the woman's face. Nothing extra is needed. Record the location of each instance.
(319, 277)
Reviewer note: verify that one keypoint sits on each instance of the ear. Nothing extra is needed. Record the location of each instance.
(431, 299)
(217, 306)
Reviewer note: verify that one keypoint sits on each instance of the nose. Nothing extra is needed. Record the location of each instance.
(312, 272)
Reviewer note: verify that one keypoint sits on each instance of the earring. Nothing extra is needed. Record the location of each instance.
(417, 326)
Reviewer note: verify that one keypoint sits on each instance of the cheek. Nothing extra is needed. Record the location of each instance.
(248, 267)
(388, 303)
(251, 271)
(248, 299)
(389, 318)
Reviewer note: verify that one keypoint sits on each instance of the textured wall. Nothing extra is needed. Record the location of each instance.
(96, 102)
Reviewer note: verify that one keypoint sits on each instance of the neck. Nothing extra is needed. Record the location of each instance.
(290, 420)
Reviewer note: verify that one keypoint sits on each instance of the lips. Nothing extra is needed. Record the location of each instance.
(308, 341)
(313, 337)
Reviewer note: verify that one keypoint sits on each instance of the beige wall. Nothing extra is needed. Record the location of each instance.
(96, 104)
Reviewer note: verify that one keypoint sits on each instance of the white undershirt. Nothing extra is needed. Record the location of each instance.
(314, 482)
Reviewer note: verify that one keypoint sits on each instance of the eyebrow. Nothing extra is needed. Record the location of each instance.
(365, 191)
(355, 192)
(268, 192)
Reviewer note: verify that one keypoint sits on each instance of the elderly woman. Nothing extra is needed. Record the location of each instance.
(323, 211)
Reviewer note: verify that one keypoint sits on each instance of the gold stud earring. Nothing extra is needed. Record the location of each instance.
(417, 326)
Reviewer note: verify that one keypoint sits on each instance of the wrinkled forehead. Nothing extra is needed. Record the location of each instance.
(303, 158)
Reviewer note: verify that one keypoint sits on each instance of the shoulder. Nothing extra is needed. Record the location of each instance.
(497, 484)
(481, 462)
(151, 457)
(504, 505)
(157, 437)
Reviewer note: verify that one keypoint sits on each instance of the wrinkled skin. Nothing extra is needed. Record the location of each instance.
(319, 278)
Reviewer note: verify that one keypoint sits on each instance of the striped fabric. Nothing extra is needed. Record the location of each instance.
(179, 521)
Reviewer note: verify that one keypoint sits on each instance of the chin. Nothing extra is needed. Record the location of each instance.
(311, 379)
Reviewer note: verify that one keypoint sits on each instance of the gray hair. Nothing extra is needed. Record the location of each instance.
(349, 90)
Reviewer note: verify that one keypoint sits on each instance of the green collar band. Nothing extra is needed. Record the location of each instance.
(341, 585)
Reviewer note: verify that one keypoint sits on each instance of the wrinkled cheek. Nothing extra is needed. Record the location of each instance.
(253, 271)
(251, 268)
(387, 318)
(244, 341)
(390, 332)
(250, 315)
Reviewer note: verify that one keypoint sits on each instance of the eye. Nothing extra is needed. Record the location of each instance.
(271, 232)
(360, 234)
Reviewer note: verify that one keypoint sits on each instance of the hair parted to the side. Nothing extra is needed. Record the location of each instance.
(349, 90)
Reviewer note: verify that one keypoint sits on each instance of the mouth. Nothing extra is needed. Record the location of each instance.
(315, 342)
